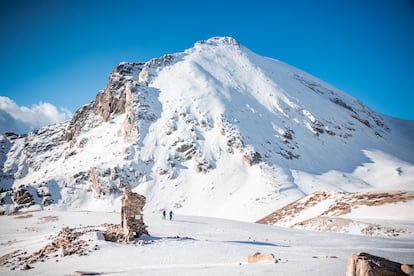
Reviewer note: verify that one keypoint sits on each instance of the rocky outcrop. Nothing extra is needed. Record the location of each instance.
(113, 100)
(22, 198)
(327, 209)
(130, 127)
(149, 69)
(364, 264)
(235, 142)
(106, 181)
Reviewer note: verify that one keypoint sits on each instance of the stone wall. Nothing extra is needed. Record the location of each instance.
(132, 218)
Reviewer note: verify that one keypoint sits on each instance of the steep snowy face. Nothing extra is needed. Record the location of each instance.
(215, 130)
(279, 112)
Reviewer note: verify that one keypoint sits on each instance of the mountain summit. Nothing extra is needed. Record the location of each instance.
(216, 130)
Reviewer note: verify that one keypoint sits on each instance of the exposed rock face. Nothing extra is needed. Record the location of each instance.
(132, 218)
(329, 216)
(259, 257)
(23, 198)
(130, 123)
(364, 264)
(105, 181)
(113, 100)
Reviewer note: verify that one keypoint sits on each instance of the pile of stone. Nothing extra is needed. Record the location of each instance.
(67, 242)
(113, 233)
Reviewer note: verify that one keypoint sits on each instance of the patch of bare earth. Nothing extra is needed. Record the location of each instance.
(294, 208)
(337, 224)
(23, 216)
(46, 219)
(344, 203)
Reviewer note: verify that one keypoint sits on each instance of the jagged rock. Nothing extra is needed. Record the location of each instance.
(130, 127)
(259, 257)
(113, 100)
(146, 74)
(106, 181)
(185, 148)
(202, 166)
(251, 157)
(26, 266)
(23, 198)
(214, 41)
(365, 264)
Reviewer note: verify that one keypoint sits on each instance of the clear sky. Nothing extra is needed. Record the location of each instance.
(61, 52)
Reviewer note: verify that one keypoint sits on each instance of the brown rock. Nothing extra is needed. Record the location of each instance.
(258, 257)
(26, 266)
(408, 269)
(84, 273)
(364, 264)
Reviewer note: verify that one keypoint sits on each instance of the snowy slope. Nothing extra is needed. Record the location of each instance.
(217, 131)
(187, 246)
(385, 213)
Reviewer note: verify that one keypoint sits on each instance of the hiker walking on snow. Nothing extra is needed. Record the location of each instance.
(171, 214)
(164, 213)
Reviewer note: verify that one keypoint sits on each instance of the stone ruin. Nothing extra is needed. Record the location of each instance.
(132, 218)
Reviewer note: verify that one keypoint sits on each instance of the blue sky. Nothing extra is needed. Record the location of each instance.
(61, 52)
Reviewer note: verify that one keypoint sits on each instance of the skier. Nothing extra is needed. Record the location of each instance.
(164, 213)
(171, 214)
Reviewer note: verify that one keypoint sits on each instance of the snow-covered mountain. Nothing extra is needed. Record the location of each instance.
(216, 130)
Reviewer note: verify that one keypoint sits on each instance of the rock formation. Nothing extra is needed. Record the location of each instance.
(258, 257)
(364, 264)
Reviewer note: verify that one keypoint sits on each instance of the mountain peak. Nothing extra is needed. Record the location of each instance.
(244, 132)
(219, 41)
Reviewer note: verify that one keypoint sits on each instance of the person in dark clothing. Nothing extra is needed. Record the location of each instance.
(171, 214)
(164, 213)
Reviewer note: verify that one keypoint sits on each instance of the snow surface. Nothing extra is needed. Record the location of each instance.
(206, 246)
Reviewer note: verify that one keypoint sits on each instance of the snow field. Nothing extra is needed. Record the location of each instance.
(194, 246)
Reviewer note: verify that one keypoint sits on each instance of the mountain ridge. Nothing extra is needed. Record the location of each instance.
(215, 130)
